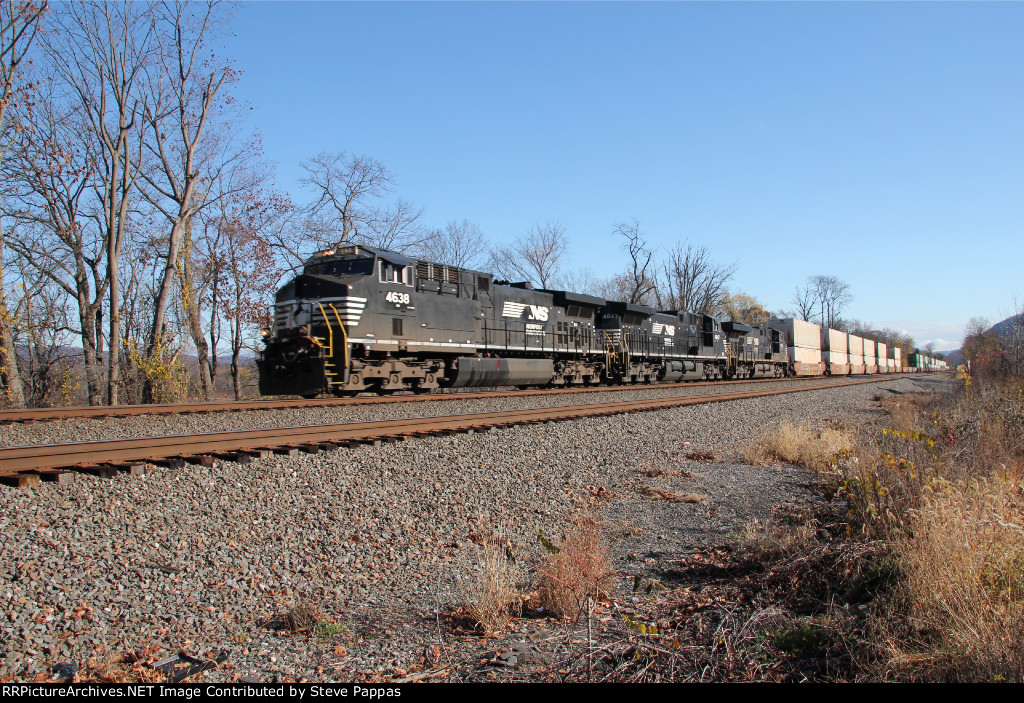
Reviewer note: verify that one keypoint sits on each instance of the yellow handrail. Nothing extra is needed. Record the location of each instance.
(330, 331)
(344, 334)
(613, 344)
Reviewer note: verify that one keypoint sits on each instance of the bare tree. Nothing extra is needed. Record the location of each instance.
(535, 257)
(350, 206)
(47, 177)
(100, 53)
(692, 281)
(832, 295)
(395, 227)
(343, 184)
(43, 335)
(247, 268)
(189, 143)
(584, 280)
(637, 282)
(459, 244)
(19, 24)
(1013, 340)
(804, 300)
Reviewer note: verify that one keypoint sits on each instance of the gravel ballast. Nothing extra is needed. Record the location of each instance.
(87, 429)
(372, 540)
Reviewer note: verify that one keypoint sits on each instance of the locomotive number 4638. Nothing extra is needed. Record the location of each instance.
(393, 297)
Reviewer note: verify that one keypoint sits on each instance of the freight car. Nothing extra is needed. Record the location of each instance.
(363, 319)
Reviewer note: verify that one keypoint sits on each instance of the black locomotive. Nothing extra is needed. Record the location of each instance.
(362, 319)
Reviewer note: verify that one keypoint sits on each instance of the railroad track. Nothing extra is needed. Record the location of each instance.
(104, 411)
(26, 466)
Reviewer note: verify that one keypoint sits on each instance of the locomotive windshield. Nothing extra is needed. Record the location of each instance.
(361, 266)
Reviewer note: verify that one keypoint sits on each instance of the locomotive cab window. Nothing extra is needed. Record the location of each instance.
(393, 273)
(344, 267)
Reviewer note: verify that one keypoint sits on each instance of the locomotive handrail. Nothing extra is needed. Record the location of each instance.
(330, 330)
(344, 340)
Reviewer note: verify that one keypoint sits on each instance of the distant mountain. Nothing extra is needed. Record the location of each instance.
(956, 357)
(1002, 327)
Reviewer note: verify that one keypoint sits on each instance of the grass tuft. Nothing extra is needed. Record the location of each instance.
(800, 445)
(577, 570)
(490, 592)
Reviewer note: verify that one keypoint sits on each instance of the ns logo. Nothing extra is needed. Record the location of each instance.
(513, 309)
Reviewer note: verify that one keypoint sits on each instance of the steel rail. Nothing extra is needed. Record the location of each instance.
(8, 416)
(37, 459)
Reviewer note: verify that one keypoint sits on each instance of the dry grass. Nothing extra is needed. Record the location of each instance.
(491, 593)
(943, 485)
(665, 473)
(774, 538)
(800, 445)
(701, 455)
(579, 569)
(962, 591)
(302, 617)
(671, 496)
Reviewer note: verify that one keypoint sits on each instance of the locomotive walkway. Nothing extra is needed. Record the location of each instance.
(26, 466)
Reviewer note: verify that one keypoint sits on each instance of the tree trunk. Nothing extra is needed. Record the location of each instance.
(114, 374)
(190, 301)
(236, 351)
(92, 354)
(9, 373)
(9, 358)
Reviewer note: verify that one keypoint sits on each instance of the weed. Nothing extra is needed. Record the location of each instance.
(779, 539)
(701, 456)
(942, 483)
(807, 637)
(579, 569)
(963, 578)
(794, 444)
(326, 630)
(646, 585)
(490, 591)
(302, 617)
(671, 496)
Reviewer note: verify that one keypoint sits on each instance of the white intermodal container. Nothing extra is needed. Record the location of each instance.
(881, 361)
(834, 340)
(806, 362)
(804, 355)
(857, 364)
(800, 333)
(835, 357)
(856, 346)
(870, 360)
(836, 363)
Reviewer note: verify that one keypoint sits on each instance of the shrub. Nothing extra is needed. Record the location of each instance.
(577, 570)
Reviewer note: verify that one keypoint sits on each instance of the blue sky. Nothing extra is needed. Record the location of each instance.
(878, 142)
